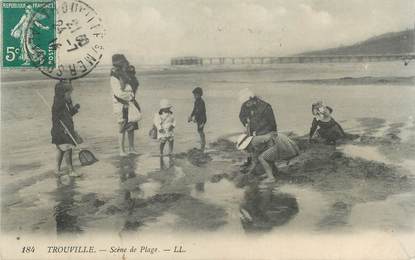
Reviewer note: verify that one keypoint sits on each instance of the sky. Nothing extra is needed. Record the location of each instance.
(153, 31)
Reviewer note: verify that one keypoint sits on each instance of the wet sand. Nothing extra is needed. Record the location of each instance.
(365, 183)
(358, 184)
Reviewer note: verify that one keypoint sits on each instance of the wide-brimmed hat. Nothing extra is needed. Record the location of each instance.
(245, 94)
(243, 141)
(164, 103)
(118, 59)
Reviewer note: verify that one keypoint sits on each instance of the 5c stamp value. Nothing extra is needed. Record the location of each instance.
(62, 38)
(28, 27)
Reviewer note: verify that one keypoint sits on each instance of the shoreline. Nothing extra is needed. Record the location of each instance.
(343, 81)
(11, 76)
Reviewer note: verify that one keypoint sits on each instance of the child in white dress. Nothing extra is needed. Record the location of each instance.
(165, 124)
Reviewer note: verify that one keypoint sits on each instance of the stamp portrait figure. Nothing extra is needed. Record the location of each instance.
(24, 31)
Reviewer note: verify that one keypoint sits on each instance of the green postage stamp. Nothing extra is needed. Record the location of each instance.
(28, 33)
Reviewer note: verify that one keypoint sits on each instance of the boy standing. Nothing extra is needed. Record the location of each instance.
(198, 115)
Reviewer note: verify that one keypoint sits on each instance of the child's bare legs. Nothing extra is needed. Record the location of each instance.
(59, 158)
(274, 169)
(267, 167)
(162, 166)
(131, 147)
(68, 160)
(171, 145)
(162, 144)
(202, 139)
(121, 138)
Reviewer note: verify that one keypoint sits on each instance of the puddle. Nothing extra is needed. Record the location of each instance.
(266, 208)
(312, 207)
(66, 221)
(408, 130)
(149, 189)
(178, 173)
(34, 202)
(397, 212)
(98, 179)
(370, 153)
(146, 163)
(380, 132)
(38, 193)
(409, 165)
(223, 194)
(163, 224)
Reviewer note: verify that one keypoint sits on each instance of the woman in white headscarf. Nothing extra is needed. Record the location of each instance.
(124, 85)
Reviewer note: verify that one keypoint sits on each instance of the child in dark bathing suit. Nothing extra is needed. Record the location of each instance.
(198, 115)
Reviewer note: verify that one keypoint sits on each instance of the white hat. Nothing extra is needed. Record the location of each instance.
(245, 94)
(164, 103)
(243, 141)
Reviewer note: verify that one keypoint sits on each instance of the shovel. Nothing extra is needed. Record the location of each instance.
(86, 157)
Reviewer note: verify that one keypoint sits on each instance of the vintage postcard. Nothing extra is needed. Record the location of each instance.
(207, 129)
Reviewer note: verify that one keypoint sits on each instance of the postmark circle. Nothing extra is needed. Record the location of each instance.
(77, 45)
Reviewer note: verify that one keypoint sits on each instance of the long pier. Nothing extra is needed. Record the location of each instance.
(290, 59)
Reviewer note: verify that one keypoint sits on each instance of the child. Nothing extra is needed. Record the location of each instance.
(267, 150)
(124, 86)
(198, 115)
(165, 124)
(62, 112)
(325, 125)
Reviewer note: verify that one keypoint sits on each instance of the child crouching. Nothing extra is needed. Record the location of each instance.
(267, 150)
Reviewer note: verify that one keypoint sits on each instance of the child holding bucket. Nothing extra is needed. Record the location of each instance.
(165, 123)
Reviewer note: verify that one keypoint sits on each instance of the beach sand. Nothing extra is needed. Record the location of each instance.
(364, 183)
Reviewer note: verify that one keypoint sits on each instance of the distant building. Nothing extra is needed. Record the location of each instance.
(191, 60)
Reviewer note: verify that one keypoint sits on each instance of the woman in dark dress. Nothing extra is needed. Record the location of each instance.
(324, 124)
(62, 112)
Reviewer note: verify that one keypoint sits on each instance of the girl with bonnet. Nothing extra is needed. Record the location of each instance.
(165, 123)
(324, 126)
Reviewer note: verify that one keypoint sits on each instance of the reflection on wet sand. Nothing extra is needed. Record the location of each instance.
(326, 189)
(65, 221)
(265, 207)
